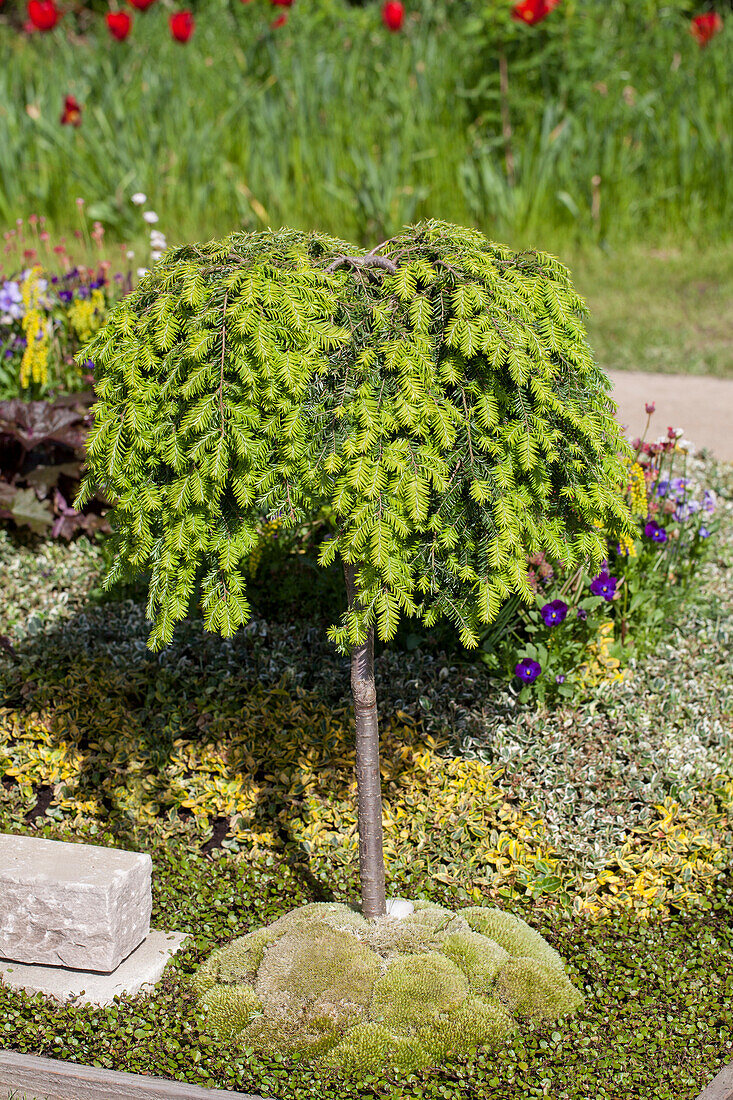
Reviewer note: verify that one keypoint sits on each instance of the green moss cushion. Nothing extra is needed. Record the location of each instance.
(324, 984)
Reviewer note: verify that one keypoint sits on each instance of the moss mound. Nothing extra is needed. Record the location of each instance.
(325, 984)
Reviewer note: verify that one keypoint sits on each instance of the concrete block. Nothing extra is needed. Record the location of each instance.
(74, 905)
(139, 971)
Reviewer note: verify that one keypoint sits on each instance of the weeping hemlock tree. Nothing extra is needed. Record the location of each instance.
(437, 392)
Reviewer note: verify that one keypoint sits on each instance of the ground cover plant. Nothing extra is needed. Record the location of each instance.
(626, 796)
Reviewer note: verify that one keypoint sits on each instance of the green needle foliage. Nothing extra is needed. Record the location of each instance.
(440, 398)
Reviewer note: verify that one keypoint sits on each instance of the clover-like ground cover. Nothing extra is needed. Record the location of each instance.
(325, 984)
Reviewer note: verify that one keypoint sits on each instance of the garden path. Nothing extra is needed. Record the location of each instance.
(701, 405)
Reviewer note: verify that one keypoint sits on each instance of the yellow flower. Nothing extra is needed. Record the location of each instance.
(86, 314)
(637, 491)
(627, 546)
(34, 363)
(269, 527)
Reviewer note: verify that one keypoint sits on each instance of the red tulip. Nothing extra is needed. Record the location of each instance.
(706, 26)
(181, 24)
(533, 11)
(119, 24)
(71, 115)
(279, 21)
(141, 5)
(393, 14)
(43, 14)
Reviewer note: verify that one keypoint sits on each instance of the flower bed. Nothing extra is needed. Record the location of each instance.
(620, 795)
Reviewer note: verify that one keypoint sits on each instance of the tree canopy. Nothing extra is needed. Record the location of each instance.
(440, 397)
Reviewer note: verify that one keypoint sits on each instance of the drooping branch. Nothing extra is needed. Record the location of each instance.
(363, 261)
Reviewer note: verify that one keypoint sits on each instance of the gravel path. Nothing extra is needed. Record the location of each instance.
(703, 407)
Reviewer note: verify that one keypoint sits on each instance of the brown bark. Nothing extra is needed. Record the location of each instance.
(368, 779)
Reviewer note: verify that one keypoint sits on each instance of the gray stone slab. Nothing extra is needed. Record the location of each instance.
(138, 972)
(721, 1087)
(75, 905)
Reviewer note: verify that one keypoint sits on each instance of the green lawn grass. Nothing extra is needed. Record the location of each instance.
(659, 309)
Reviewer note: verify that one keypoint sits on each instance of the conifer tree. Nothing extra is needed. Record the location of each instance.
(437, 392)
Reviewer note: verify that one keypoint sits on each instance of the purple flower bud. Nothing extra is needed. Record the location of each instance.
(560, 679)
(704, 533)
(582, 613)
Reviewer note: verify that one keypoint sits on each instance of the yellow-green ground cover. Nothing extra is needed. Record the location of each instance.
(606, 825)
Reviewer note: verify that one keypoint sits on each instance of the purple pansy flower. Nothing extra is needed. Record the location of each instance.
(662, 486)
(709, 500)
(554, 612)
(582, 613)
(603, 585)
(11, 300)
(653, 531)
(528, 670)
(704, 533)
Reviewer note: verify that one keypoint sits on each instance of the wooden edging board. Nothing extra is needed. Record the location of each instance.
(49, 1079)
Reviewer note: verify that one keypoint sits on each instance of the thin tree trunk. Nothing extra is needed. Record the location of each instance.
(368, 779)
